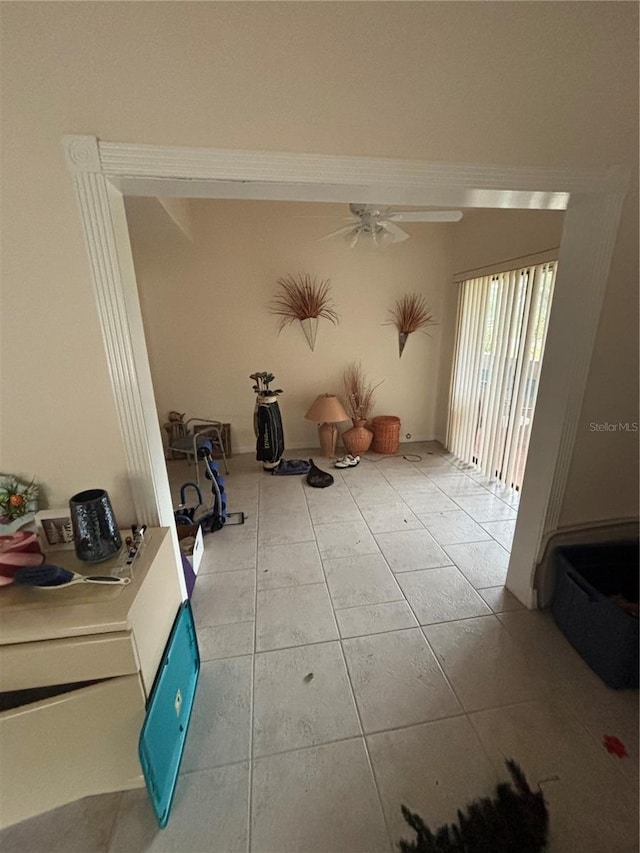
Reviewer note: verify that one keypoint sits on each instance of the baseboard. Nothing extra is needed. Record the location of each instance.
(596, 531)
(314, 448)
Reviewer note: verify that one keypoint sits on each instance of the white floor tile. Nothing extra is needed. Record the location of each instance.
(482, 563)
(219, 732)
(510, 497)
(485, 508)
(480, 477)
(294, 616)
(406, 478)
(83, 826)
(281, 501)
(484, 665)
(375, 619)
(358, 473)
(226, 641)
(434, 769)
(318, 800)
(455, 485)
(325, 497)
(281, 487)
(451, 528)
(209, 813)
(289, 565)
(345, 539)
(378, 494)
(397, 681)
(225, 552)
(502, 531)
(360, 580)
(389, 518)
(410, 550)
(500, 600)
(505, 493)
(280, 528)
(219, 599)
(434, 462)
(340, 509)
(244, 482)
(454, 475)
(441, 595)
(423, 502)
(421, 486)
(302, 698)
(592, 808)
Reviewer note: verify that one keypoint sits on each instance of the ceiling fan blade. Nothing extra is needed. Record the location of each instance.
(347, 229)
(426, 216)
(397, 234)
(355, 236)
(322, 216)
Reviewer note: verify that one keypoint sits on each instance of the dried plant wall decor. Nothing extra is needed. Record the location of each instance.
(306, 299)
(410, 314)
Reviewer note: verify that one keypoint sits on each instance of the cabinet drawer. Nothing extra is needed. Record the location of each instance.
(89, 658)
(70, 746)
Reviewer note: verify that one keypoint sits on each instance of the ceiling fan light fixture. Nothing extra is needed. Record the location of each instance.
(377, 236)
(376, 224)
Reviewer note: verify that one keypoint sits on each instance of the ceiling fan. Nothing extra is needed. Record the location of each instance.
(377, 223)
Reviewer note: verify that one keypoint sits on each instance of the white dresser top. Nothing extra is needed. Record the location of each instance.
(30, 614)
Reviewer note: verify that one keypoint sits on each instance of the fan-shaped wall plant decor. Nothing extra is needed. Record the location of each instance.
(306, 299)
(408, 315)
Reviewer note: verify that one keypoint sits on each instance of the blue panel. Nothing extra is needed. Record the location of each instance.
(164, 731)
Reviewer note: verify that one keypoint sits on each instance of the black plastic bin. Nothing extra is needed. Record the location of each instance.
(591, 583)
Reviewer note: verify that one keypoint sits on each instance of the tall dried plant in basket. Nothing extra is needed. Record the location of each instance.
(359, 394)
(360, 397)
(304, 298)
(410, 314)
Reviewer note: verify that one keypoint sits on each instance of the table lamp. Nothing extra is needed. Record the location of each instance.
(326, 411)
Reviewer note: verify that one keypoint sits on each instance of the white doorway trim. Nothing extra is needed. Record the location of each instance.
(103, 172)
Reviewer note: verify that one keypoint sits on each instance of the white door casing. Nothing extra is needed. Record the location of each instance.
(103, 172)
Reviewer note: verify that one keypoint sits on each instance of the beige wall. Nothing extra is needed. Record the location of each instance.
(207, 324)
(206, 301)
(487, 237)
(525, 83)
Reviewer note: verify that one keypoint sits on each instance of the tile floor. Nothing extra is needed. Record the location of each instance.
(359, 651)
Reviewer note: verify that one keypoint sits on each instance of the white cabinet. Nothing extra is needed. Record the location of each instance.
(76, 667)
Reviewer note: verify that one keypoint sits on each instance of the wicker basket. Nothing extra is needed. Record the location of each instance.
(358, 439)
(386, 434)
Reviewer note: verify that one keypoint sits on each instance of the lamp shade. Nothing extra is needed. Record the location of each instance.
(327, 409)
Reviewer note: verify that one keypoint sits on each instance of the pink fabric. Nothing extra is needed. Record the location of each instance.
(18, 550)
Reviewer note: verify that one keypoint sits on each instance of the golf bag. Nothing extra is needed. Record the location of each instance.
(269, 432)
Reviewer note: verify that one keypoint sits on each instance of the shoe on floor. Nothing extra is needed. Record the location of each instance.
(347, 462)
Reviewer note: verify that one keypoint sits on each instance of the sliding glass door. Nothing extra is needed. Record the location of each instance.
(500, 337)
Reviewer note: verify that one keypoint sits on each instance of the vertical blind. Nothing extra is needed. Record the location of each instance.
(500, 337)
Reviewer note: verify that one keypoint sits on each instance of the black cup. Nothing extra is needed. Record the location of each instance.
(95, 532)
